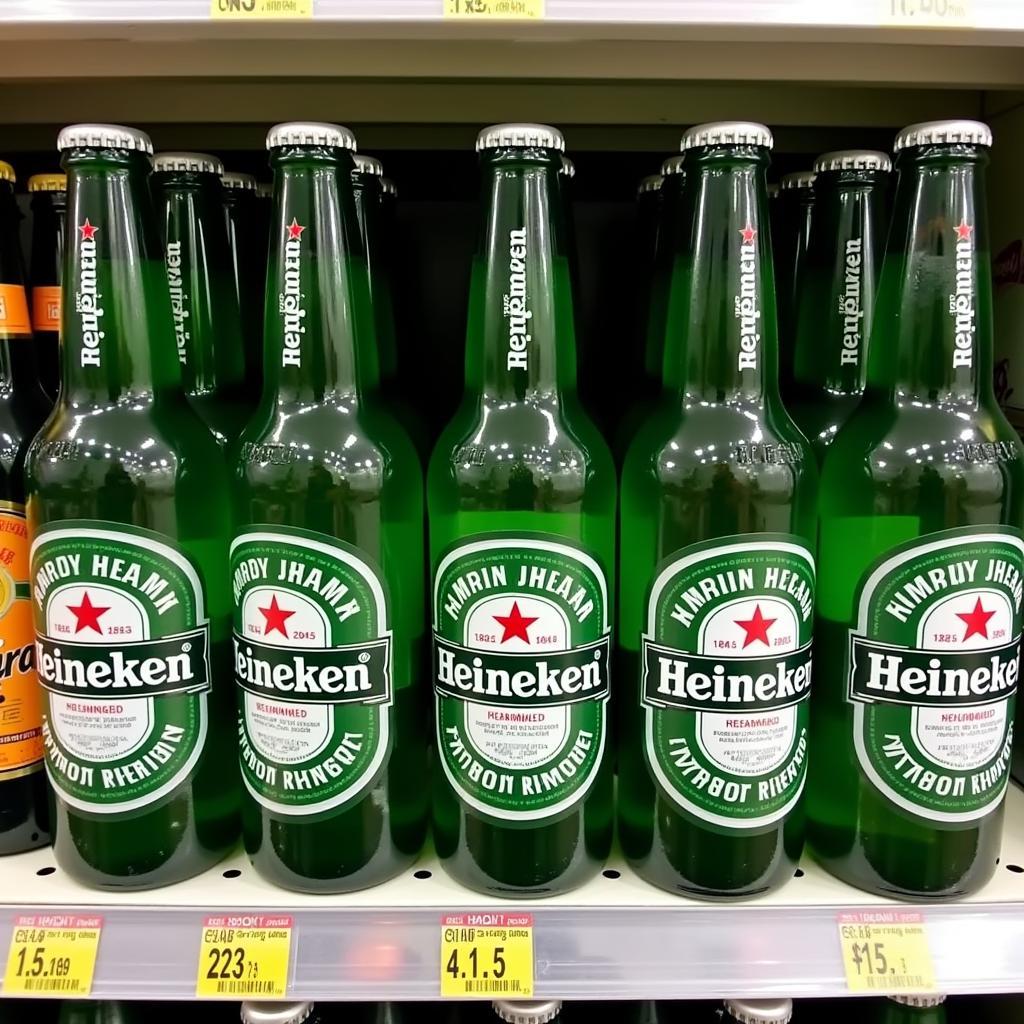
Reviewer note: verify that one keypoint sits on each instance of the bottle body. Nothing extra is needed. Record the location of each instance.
(24, 814)
(327, 567)
(717, 545)
(521, 499)
(925, 478)
(130, 523)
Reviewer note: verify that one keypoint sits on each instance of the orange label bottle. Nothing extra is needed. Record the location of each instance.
(46, 307)
(13, 310)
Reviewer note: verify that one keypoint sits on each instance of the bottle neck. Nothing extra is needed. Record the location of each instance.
(204, 306)
(839, 282)
(319, 328)
(932, 336)
(721, 325)
(116, 318)
(48, 237)
(366, 196)
(17, 363)
(520, 340)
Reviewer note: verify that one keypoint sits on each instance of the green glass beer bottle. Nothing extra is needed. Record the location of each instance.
(919, 606)
(128, 510)
(327, 564)
(717, 534)
(49, 227)
(521, 502)
(24, 814)
(837, 292)
(204, 304)
(795, 209)
(923, 1009)
(248, 247)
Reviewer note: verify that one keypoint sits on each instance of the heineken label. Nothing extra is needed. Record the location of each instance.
(726, 664)
(932, 672)
(521, 667)
(122, 656)
(313, 666)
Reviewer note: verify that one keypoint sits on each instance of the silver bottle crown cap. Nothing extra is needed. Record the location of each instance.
(798, 179)
(188, 162)
(919, 1000)
(388, 187)
(760, 1011)
(853, 160)
(927, 133)
(527, 1011)
(673, 165)
(520, 136)
(103, 136)
(275, 1013)
(773, 191)
(367, 165)
(236, 179)
(264, 190)
(568, 167)
(310, 133)
(727, 133)
(652, 183)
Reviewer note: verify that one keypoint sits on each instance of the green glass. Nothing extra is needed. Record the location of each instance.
(836, 303)
(323, 460)
(123, 450)
(792, 216)
(49, 229)
(927, 450)
(893, 1011)
(204, 302)
(84, 1011)
(521, 457)
(718, 457)
(24, 814)
(244, 215)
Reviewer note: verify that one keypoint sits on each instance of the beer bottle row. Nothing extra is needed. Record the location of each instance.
(230, 600)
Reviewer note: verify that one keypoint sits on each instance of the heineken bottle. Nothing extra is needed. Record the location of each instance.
(128, 510)
(49, 226)
(837, 292)
(718, 492)
(521, 502)
(793, 216)
(24, 816)
(923, 1009)
(328, 558)
(247, 243)
(527, 1011)
(919, 607)
(85, 1011)
(204, 303)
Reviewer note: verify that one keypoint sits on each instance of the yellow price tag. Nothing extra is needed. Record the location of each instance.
(256, 9)
(52, 955)
(244, 956)
(481, 10)
(926, 13)
(886, 951)
(488, 955)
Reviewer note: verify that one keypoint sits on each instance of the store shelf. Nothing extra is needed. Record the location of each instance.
(615, 938)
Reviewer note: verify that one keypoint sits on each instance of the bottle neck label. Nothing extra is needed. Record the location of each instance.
(88, 297)
(312, 654)
(748, 303)
(726, 678)
(14, 319)
(962, 301)
(521, 672)
(291, 299)
(122, 656)
(851, 309)
(514, 305)
(180, 312)
(932, 671)
(21, 735)
(46, 308)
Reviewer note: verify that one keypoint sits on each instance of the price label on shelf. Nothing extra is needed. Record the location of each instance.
(487, 955)
(886, 952)
(255, 10)
(482, 10)
(244, 956)
(926, 13)
(52, 955)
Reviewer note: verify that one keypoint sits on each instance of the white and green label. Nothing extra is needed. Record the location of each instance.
(122, 647)
(932, 672)
(312, 655)
(726, 663)
(521, 670)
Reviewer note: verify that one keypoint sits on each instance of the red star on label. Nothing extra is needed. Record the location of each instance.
(749, 233)
(756, 627)
(88, 230)
(295, 230)
(515, 624)
(276, 617)
(963, 231)
(87, 615)
(977, 621)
